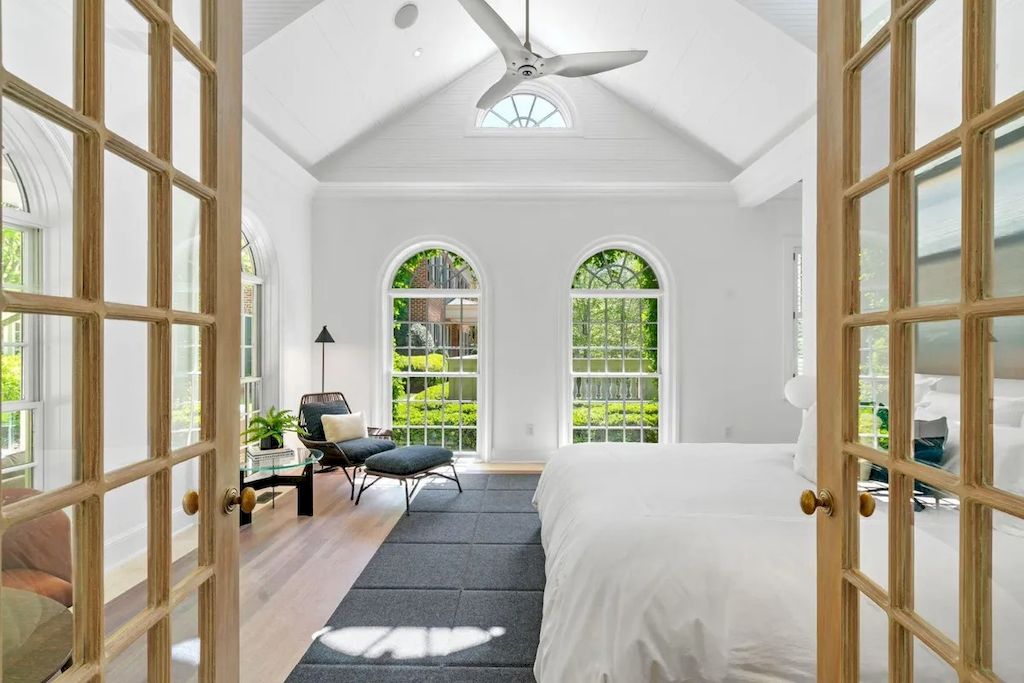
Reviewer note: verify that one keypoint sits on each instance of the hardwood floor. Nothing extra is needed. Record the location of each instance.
(294, 572)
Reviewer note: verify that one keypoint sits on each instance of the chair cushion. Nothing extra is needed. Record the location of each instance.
(409, 460)
(358, 450)
(312, 412)
(39, 582)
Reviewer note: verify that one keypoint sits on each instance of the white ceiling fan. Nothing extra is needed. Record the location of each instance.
(524, 64)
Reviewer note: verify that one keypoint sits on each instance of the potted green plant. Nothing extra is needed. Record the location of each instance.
(269, 429)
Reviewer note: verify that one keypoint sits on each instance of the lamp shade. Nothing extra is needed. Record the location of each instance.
(324, 337)
(802, 391)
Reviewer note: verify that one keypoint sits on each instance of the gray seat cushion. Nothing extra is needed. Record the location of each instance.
(358, 450)
(312, 412)
(409, 460)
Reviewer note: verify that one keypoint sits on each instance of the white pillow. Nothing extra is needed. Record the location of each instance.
(805, 462)
(940, 404)
(923, 385)
(1008, 412)
(338, 428)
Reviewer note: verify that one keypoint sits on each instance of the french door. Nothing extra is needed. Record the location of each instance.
(921, 340)
(120, 555)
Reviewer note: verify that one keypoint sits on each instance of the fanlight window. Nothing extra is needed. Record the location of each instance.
(524, 110)
(615, 269)
(616, 341)
(12, 193)
(434, 347)
(248, 260)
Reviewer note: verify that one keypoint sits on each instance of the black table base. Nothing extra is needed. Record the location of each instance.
(303, 484)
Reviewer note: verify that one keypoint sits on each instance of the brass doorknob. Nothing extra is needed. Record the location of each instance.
(810, 502)
(246, 500)
(190, 502)
(866, 504)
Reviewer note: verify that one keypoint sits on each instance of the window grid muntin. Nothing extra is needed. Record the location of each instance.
(520, 119)
(462, 443)
(980, 117)
(87, 310)
(620, 283)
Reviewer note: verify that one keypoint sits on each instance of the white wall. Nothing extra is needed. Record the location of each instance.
(728, 264)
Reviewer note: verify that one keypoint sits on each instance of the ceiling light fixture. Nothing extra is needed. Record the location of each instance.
(407, 15)
(418, 52)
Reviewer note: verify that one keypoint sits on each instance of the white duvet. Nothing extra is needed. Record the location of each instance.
(693, 562)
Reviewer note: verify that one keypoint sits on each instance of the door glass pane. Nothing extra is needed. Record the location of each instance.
(185, 646)
(937, 215)
(39, 44)
(125, 553)
(1009, 49)
(930, 667)
(874, 250)
(131, 665)
(125, 393)
(873, 393)
(48, 154)
(938, 70)
(936, 521)
(37, 594)
(874, 113)
(873, 15)
(874, 642)
(186, 214)
(1008, 209)
(874, 530)
(1007, 596)
(126, 232)
(186, 116)
(186, 385)
(936, 428)
(185, 477)
(38, 412)
(1007, 403)
(188, 17)
(126, 106)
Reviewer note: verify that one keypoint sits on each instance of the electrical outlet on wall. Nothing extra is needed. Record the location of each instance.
(728, 432)
(529, 429)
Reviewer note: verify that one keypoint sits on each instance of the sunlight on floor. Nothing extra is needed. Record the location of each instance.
(405, 642)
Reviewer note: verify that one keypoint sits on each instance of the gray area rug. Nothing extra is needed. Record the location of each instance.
(453, 595)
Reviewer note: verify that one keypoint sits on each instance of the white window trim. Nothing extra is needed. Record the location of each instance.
(268, 276)
(791, 245)
(668, 424)
(381, 370)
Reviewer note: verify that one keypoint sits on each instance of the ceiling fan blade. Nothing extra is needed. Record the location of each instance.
(498, 91)
(494, 26)
(590, 63)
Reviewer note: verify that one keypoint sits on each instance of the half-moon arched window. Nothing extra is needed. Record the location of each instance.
(524, 110)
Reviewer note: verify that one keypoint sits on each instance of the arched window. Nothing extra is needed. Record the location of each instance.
(524, 110)
(616, 349)
(20, 335)
(252, 333)
(434, 298)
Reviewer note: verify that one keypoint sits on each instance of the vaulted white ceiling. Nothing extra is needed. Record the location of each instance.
(798, 18)
(731, 76)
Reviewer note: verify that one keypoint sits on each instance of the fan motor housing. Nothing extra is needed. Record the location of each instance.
(527, 71)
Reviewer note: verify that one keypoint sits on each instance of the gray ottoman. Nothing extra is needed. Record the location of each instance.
(408, 462)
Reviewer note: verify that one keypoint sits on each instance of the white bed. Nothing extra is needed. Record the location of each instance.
(693, 562)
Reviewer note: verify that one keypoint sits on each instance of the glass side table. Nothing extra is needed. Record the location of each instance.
(263, 471)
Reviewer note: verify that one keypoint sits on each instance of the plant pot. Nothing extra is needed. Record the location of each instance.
(269, 443)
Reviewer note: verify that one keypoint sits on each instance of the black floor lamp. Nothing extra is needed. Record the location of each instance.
(323, 339)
